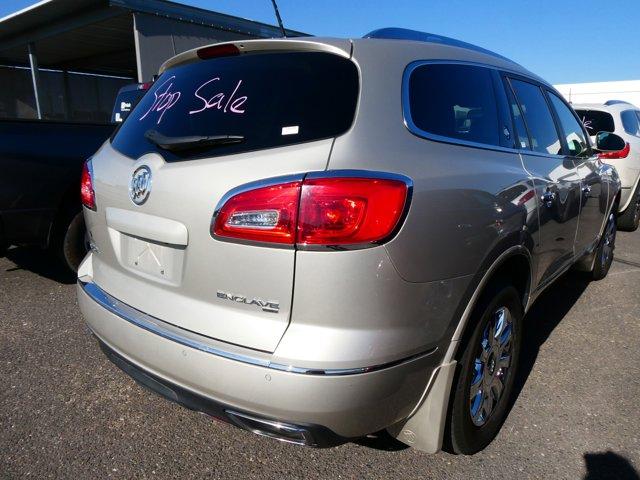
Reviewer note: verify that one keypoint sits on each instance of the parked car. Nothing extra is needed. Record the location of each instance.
(127, 98)
(624, 119)
(40, 166)
(314, 245)
(41, 162)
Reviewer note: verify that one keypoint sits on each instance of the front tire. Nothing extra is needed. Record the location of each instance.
(486, 373)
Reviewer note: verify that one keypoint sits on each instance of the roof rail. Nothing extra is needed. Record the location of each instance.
(392, 33)
(615, 102)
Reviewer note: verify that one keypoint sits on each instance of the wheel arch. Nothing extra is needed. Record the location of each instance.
(424, 427)
(513, 265)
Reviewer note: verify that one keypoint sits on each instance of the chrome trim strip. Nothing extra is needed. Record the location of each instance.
(168, 331)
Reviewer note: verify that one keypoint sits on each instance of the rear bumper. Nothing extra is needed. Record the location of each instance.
(316, 406)
(311, 435)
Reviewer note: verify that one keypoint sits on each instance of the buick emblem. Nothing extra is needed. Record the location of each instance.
(140, 185)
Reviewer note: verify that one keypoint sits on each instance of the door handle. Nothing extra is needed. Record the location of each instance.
(548, 198)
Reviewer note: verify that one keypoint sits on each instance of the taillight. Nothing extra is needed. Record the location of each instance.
(330, 210)
(87, 194)
(617, 154)
(339, 211)
(265, 214)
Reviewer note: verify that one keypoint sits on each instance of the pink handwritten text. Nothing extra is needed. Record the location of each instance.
(232, 104)
(164, 100)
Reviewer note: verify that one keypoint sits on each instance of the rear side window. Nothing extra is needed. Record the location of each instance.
(629, 122)
(573, 133)
(534, 107)
(454, 101)
(596, 121)
(270, 100)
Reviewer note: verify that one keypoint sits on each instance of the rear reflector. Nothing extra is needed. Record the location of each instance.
(317, 211)
(87, 194)
(215, 51)
(617, 154)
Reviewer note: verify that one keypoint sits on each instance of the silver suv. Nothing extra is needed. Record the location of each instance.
(624, 119)
(316, 239)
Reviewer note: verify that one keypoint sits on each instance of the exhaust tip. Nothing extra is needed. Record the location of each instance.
(272, 429)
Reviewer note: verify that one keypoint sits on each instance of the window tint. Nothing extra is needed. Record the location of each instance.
(629, 122)
(455, 101)
(542, 129)
(270, 99)
(596, 121)
(573, 133)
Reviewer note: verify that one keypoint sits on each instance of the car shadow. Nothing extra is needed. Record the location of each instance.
(609, 465)
(41, 262)
(381, 441)
(541, 320)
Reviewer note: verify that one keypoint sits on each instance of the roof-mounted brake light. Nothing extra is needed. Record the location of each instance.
(215, 51)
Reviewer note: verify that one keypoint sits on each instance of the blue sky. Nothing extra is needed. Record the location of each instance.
(564, 41)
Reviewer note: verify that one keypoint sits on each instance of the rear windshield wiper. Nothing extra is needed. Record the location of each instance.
(190, 142)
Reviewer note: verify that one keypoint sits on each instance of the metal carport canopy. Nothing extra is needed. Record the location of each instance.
(98, 35)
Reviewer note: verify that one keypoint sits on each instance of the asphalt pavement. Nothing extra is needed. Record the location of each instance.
(67, 412)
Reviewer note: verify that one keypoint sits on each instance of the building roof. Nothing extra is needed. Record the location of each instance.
(97, 35)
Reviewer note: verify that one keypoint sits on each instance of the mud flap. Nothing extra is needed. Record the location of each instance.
(424, 430)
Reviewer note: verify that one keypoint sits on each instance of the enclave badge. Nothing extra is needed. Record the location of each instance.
(140, 185)
(265, 305)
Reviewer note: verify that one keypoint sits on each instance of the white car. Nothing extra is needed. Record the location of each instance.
(623, 119)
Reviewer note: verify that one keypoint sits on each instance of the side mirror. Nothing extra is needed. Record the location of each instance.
(609, 142)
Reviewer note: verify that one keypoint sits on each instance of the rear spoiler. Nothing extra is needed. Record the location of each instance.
(336, 46)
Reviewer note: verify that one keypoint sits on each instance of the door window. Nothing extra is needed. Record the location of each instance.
(534, 107)
(571, 129)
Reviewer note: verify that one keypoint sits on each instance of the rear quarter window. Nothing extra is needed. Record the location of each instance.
(270, 99)
(454, 102)
(596, 121)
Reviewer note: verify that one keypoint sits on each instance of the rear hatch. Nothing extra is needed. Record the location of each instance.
(283, 102)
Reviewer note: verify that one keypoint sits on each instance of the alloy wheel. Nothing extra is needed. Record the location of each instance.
(609, 243)
(491, 366)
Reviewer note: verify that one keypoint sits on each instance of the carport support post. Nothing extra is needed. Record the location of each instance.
(35, 77)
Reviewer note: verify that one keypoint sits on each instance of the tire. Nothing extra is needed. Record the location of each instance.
(478, 408)
(629, 220)
(604, 252)
(69, 240)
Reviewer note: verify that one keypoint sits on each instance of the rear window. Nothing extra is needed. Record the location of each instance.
(271, 100)
(454, 101)
(596, 121)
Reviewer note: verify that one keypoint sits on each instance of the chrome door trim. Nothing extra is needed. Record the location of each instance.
(189, 339)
